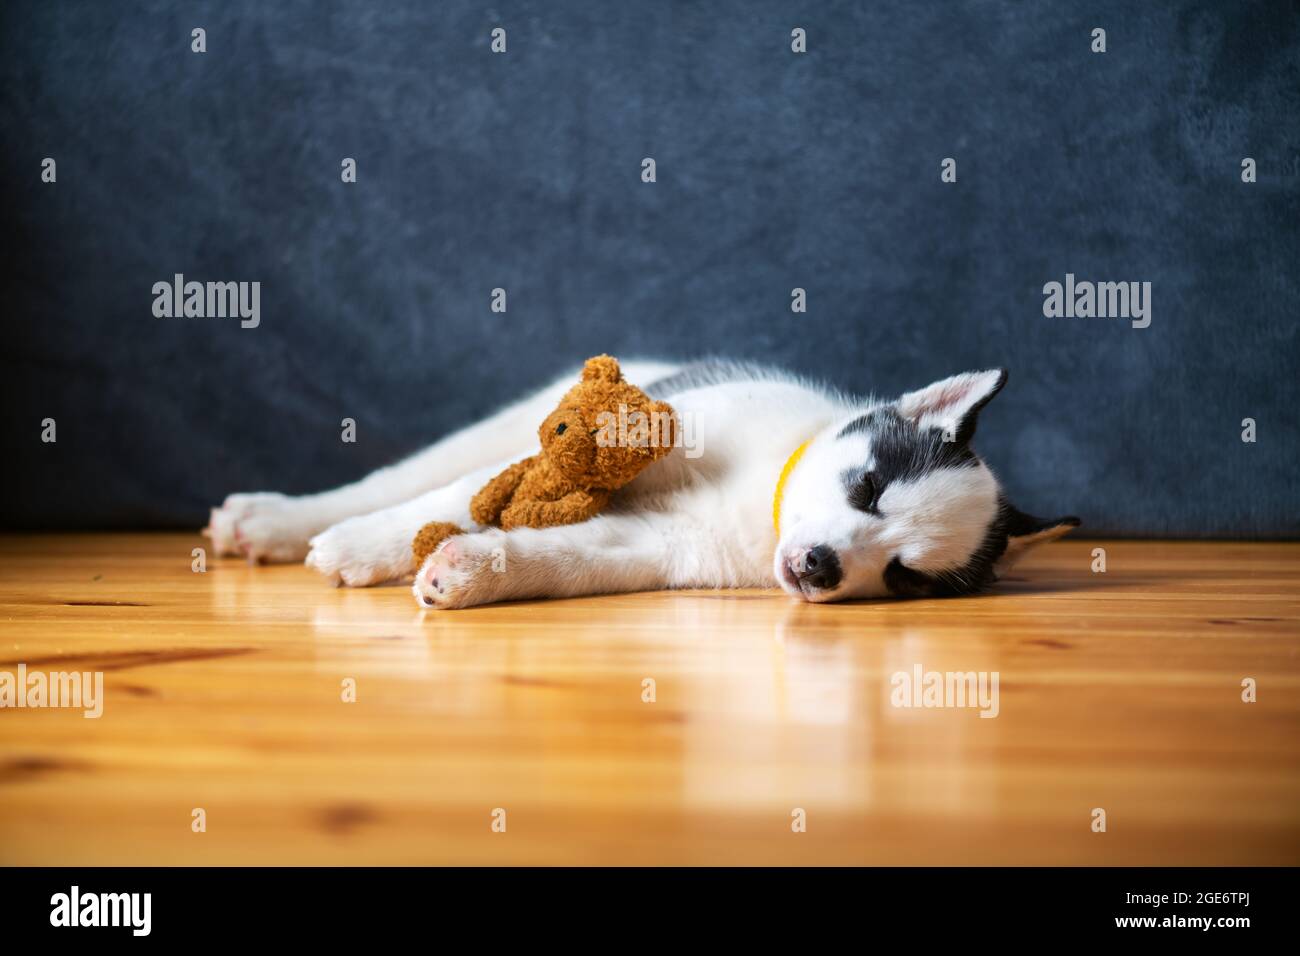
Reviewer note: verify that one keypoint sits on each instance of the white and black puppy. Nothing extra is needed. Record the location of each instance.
(776, 481)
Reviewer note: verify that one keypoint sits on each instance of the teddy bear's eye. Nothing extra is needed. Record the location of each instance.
(560, 428)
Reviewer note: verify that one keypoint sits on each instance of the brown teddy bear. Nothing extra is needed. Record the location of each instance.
(603, 434)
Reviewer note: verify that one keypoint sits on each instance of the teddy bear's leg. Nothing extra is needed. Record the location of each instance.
(430, 536)
(491, 500)
(572, 508)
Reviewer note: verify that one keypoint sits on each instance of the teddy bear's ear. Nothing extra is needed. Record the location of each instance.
(602, 368)
(666, 429)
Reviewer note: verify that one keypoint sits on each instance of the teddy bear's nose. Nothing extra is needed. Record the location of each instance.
(560, 428)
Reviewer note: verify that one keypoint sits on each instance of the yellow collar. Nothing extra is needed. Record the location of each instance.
(780, 484)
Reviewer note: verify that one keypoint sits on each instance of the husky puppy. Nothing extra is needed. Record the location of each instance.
(778, 481)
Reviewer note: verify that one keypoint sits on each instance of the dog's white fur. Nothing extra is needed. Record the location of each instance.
(702, 519)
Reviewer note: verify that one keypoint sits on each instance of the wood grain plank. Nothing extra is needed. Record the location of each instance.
(223, 691)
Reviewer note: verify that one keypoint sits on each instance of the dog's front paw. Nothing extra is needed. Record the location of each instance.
(362, 551)
(262, 527)
(465, 571)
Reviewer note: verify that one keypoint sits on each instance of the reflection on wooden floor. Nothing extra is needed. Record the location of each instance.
(223, 691)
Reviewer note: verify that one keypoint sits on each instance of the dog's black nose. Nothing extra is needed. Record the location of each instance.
(821, 567)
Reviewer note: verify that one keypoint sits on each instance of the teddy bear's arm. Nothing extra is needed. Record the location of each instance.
(574, 507)
(486, 506)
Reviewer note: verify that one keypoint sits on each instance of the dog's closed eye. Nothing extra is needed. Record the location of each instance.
(864, 492)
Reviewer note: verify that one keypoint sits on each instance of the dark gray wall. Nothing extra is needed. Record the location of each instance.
(521, 170)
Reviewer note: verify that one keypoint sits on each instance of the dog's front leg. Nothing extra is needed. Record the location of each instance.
(608, 554)
(374, 548)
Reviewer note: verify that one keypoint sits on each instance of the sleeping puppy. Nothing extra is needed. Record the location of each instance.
(775, 481)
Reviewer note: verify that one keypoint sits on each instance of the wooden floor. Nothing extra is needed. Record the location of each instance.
(223, 691)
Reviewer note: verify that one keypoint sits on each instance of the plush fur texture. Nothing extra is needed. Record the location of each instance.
(888, 499)
(603, 434)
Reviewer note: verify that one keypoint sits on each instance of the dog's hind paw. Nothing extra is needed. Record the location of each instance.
(262, 527)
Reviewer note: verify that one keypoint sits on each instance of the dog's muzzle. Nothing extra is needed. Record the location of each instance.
(817, 568)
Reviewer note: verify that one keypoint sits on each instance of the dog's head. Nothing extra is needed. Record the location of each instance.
(893, 501)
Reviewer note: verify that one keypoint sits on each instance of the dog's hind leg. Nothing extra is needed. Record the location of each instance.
(275, 527)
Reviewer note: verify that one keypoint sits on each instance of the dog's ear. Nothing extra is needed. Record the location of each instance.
(953, 404)
(602, 368)
(1025, 532)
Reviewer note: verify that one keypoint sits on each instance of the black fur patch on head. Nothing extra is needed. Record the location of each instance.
(978, 571)
(973, 576)
(901, 452)
(903, 581)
